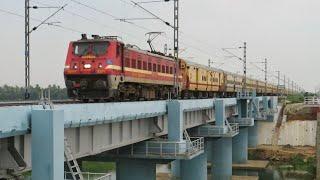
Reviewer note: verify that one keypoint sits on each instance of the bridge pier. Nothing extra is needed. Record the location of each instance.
(240, 146)
(195, 168)
(135, 169)
(245, 118)
(221, 158)
(253, 135)
(47, 144)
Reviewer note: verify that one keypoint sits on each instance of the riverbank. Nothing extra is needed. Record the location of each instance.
(297, 162)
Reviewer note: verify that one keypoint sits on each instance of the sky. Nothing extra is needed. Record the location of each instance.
(286, 32)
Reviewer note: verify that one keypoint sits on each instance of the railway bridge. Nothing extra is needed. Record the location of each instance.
(136, 135)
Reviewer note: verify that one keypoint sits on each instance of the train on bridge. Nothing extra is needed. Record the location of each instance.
(104, 68)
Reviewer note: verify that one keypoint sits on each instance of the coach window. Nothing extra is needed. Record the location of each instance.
(127, 62)
(171, 69)
(159, 68)
(144, 65)
(163, 69)
(154, 68)
(167, 69)
(134, 63)
(139, 64)
(149, 66)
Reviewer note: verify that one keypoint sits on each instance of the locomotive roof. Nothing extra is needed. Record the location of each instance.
(150, 53)
(94, 40)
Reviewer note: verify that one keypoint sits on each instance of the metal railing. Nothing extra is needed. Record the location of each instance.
(234, 128)
(312, 100)
(242, 121)
(165, 148)
(217, 131)
(90, 176)
(246, 94)
(211, 130)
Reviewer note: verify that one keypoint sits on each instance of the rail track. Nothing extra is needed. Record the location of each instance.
(36, 102)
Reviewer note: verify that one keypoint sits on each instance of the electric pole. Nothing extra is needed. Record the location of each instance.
(288, 85)
(27, 49)
(265, 73)
(278, 81)
(284, 83)
(27, 33)
(176, 46)
(210, 62)
(244, 66)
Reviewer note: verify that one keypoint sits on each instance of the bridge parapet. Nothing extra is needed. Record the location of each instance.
(312, 101)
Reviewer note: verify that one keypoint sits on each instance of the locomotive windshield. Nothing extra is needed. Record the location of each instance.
(95, 48)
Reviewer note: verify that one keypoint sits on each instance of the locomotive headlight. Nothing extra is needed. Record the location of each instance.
(87, 66)
(75, 66)
(100, 65)
(67, 67)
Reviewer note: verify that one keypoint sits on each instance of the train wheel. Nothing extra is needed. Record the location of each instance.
(96, 100)
(85, 100)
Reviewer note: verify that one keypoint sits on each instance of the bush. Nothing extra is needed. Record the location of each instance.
(295, 98)
(15, 93)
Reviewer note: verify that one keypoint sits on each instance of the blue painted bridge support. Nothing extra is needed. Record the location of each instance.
(47, 144)
(135, 169)
(221, 158)
(253, 135)
(195, 168)
(240, 146)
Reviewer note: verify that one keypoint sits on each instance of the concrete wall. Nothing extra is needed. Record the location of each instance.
(298, 133)
(295, 133)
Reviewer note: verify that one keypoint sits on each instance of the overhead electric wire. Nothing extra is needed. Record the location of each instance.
(141, 27)
(93, 21)
(45, 20)
(164, 21)
(95, 9)
(38, 20)
(152, 14)
(134, 24)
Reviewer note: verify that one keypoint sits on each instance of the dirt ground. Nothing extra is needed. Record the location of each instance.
(280, 153)
(299, 112)
(163, 176)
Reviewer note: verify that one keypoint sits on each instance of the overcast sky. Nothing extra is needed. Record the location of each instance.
(287, 32)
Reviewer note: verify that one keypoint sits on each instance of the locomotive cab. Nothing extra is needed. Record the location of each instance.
(91, 66)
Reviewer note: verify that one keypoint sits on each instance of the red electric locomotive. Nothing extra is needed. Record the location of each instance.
(103, 68)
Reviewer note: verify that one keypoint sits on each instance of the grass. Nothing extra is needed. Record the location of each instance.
(295, 98)
(98, 167)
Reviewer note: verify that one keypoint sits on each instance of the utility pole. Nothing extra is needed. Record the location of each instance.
(176, 45)
(265, 73)
(288, 85)
(27, 49)
(27, 33)
(245, 64)
(284, 83)
(210, 62)
(278, 81)
(244, 60)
